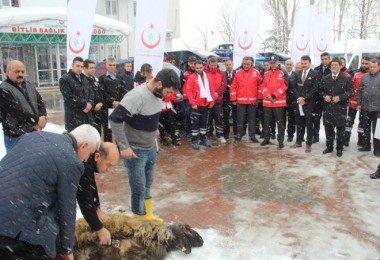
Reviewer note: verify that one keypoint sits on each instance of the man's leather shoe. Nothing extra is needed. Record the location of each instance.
(327, 150)
(375, 175)
(308, 148)
(296, 145)
(365, 149)
(281, 145)
(265, 142)
(339, 153)
(254, 140)
(290, 139)
(316, 139)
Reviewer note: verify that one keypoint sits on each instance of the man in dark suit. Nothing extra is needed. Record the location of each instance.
(336, 89)
(322, 70)
(227, 105)
(291, 100)
(305, 93)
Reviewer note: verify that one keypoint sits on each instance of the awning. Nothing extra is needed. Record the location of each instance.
(48, 26)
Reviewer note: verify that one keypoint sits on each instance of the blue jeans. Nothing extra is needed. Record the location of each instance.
(140, 173)
(10, 141)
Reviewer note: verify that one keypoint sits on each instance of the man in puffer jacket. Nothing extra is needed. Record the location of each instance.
(244, 93)
(219, 83)
(201, 100)
(274, 101)
(38, 188)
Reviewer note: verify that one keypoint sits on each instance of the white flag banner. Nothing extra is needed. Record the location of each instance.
(302, 28)
(80, 21)
(247, 22)
(322, 36)
(150, 34)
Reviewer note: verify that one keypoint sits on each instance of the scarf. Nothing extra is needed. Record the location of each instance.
(204, 87)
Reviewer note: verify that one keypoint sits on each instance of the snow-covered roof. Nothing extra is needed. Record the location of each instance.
(22, 16)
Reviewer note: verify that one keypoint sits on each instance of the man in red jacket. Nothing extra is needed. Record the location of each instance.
(218, 82)
(200, 94)
(185, 74)
(168, 122)
(274, 101)
(244, 93)
(353, 103)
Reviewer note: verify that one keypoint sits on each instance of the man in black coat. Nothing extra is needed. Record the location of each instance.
(323, 70)
(89, 73)
(305, 94)
(336, 89)
(127, 76)
(114, 89)
(39, 180)
(102, 161)
(77, 95)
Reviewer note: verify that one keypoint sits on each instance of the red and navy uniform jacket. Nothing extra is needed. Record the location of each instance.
(353, 101)
(185, 76)
(219, 83)
(169, 101)
(245, 87)
(345, 72)
(274, 84)
(194, 94)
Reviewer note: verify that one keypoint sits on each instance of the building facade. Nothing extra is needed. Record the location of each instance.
(34, 31)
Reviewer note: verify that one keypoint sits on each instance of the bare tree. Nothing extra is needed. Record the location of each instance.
(367, 11)
(342, 11)
(282, 12)
(203, 37)
(226, 22)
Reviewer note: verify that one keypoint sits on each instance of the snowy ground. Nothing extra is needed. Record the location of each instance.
(252, 202)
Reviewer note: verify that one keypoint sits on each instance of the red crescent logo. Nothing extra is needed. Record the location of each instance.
(245, 47)
(76, 51)
(300, 48)
(322, 49)
(153, 45)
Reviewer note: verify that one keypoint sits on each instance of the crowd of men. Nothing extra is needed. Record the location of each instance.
(44, 174)
(129, 110)
(283, 100)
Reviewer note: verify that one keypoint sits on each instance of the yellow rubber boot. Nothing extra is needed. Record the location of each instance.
(149, 213)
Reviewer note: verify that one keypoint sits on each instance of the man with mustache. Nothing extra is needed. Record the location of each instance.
(22, 108)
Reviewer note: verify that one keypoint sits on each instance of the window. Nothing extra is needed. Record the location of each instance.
(355, 63)
(10, 3)
(111, 7)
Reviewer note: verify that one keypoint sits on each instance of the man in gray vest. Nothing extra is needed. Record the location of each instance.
(22, 108)
(369, 105)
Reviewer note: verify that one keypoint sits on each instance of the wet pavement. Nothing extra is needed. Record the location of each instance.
(254, 202)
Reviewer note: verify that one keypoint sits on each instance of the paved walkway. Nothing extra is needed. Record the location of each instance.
(253, 202)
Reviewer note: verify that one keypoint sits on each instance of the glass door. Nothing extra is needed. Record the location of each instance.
(44, 64)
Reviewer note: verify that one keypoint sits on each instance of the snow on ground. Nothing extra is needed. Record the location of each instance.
(290, 206)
